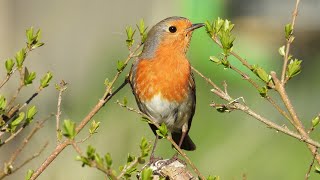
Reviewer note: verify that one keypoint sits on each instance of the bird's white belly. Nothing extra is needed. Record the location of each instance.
(161, 110)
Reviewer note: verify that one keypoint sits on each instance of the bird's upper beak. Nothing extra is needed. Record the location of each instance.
(195, 26)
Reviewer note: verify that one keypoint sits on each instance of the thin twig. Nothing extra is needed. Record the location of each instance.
(12, 136)
(37, 154)
(13, 170)
(62, 88)
(252, 113)
(297, 123)
(127, 167)
(27, 140)
(8, 77)
(93, 163)
(105, 98)
(152, 121)
(23, 145)
(14, 97)
(77, 148)
(289, 41)
(310, 166)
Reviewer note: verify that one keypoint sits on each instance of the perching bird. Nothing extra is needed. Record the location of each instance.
(162, 81)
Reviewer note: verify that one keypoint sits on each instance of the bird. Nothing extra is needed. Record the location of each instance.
(162, 81)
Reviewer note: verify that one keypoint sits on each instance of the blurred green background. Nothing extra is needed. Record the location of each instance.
(85, 39)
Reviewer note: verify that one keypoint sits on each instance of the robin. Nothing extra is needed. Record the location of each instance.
(162, 81)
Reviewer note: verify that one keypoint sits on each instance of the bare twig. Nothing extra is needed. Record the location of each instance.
(279, 87)
(13, 170)
(12, 136)
(152, 121)
(289, 41)
(14, 156)
(252, 113)
(311, 164)
(105, 98)
(7, 77)
(247, 78)
(62, 88)
(77, 148)
(14, 97)
(27, 139)
(37, 154)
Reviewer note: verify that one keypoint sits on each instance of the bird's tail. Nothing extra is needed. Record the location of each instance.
(187, 143)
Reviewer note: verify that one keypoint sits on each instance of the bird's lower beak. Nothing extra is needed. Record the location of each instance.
(195, 26)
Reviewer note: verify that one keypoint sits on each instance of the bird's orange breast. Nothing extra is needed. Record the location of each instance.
(168, 75)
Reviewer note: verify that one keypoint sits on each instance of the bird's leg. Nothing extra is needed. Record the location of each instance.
(183, 135)
(152, 158)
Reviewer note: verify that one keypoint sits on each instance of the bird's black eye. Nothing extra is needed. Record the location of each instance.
(172, 29)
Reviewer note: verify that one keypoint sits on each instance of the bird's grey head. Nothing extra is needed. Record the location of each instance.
(172, 32)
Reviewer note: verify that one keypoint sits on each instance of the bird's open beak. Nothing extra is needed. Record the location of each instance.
(195, 26)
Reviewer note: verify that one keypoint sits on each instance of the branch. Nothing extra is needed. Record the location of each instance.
(23, 145)
(105, 98)
(152, 121)
(7, 77)
(62, 87)
(310, 166)
(289, 41)
(252, 113)
(247, 78)
(279, 87)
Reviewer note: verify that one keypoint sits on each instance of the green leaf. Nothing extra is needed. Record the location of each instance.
(144, 119)
(9, 65)
(29, 34)
(33, 39)
(120, 65)
(18, 120)
(29, 174)
(38, 35)
(91, 151)
(98, 159)
(3, 103)
(20, 57)
(30, 114)
(146, 174)
(213, 177)
(107, 82)
(94, 127)
(44, 82)
(215, 59)
(125, 101)
(69, 129)
(162, 131)
(217, 25)
(84, 160)
(294, 68)
(209, 28)
(145, 147)
(288, 29)
(39, 44)
(315, 121)
(261, 73)
(130, 33)
(227, 25)
(108, 159)
(263, 91)
(317, 170)
(130, 158)
(282, 50)
(28, 77)
(142, 30)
